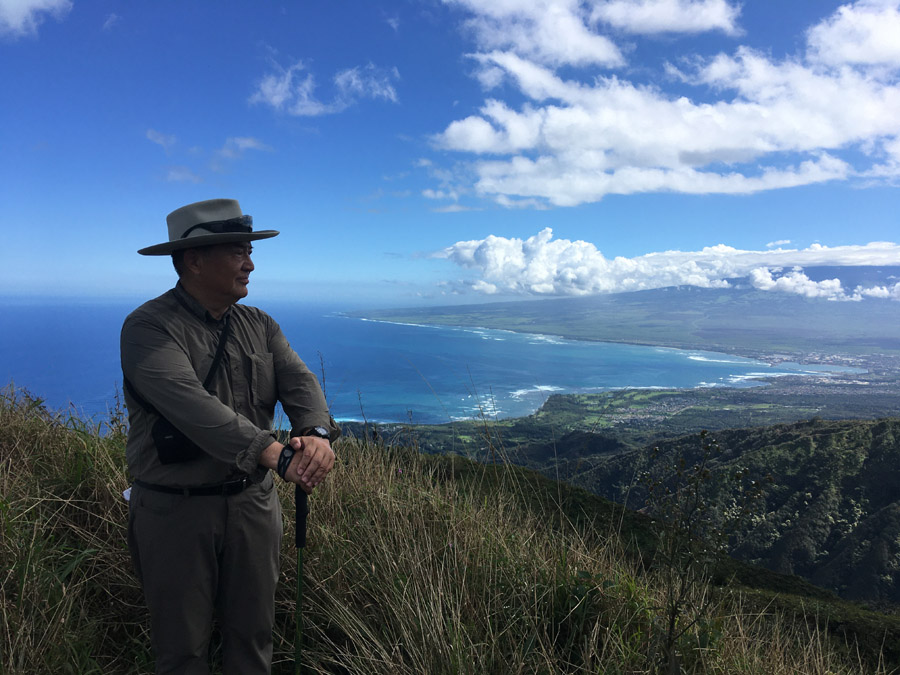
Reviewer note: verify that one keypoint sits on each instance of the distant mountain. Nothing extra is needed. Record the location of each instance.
(740, 319)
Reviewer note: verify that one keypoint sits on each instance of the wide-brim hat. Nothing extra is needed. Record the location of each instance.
(214, 221)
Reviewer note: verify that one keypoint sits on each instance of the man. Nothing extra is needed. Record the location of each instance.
(202, 377)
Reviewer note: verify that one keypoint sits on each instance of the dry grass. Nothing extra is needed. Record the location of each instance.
(409, 569)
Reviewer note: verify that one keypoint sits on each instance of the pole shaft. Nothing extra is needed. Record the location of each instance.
(301, 502)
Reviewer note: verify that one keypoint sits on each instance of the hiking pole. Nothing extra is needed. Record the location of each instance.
(301, 501)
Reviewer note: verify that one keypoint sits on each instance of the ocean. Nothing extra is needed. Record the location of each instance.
(68, 355)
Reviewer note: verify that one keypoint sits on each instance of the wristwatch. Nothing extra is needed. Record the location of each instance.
(321, 432)
(284, 460)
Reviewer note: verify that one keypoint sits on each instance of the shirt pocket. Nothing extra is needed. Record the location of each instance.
(263, 391)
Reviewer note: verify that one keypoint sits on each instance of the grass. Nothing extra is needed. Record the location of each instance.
(414, 564)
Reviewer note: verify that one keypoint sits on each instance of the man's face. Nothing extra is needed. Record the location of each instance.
(225, 271)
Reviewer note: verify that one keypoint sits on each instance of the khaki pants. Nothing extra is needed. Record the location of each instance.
(200, 557)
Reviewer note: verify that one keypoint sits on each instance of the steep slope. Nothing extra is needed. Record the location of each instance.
(830, 510)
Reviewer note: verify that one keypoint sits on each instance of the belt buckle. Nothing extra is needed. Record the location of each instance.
(235, 487)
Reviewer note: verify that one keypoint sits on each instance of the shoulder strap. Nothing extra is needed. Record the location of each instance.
(217, 359)
(223, 338)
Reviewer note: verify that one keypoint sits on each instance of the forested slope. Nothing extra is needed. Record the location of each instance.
(830, 507)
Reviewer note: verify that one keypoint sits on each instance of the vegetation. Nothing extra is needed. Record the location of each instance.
(830, 506)
(692, 532)
(575, 425)
(414, 564)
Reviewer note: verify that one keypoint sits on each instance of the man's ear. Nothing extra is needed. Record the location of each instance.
(193, 261)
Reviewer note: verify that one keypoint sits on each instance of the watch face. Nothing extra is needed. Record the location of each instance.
(321, 431)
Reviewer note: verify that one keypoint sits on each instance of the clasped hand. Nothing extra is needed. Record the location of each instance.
(313, 460)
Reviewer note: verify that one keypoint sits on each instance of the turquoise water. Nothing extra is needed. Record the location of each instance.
(68, 355)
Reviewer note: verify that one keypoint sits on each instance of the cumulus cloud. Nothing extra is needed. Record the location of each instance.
(867, 33)
(796, 282)
(293, 89)
(554, 32)
(564, 32)
(892, 292)
(541, 265)
(23, 17)
(757, 123)
(669, 16)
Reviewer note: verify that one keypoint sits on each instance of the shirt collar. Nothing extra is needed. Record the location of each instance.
(190, 303)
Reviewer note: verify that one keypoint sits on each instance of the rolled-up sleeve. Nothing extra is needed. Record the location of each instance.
(298, 388)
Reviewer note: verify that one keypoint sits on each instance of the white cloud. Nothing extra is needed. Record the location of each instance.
(111, 21)
(756, 123)
(892, 292)
(540, 265)
(439, 194)
(554, 32)
(862, 33)
(293, 89)
(453, 208)
(797, 283)
(233, 149)
(668, 16)
(367, 82)
(235, 146)
(166, 141)
(182, 174)
(484, 287)
(23, 17)
(778, 244)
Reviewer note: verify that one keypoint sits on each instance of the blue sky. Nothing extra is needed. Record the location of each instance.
(429, 152)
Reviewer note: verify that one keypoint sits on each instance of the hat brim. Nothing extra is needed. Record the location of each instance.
(206, 240)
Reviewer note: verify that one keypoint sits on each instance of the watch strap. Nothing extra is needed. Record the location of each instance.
(284, 460)
(319, 431)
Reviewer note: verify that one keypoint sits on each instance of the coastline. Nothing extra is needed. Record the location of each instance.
(771, 358)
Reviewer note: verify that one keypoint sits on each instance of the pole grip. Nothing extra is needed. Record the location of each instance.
(301, 501)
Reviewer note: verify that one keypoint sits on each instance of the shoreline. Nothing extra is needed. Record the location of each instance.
(815, 370)
(770, 358)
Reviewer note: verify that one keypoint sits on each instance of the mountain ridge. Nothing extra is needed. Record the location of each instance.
(738, 319)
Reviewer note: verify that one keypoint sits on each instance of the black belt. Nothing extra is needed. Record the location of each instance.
(232, 487)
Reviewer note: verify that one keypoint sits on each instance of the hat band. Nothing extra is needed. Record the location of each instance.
(239, 224)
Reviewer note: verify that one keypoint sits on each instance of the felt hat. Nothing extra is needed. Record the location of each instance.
(215, 221)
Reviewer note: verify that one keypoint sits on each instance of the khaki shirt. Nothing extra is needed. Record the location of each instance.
(167, 348)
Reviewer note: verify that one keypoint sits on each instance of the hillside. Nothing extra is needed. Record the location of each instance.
(831, 502)
(414, 564)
